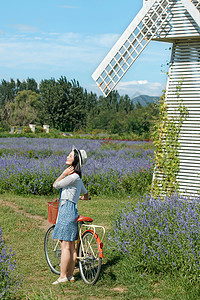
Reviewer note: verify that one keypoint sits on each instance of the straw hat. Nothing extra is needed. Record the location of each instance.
(82, 155)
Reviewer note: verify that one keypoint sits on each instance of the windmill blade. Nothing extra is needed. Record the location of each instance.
(196, 4)
(129, 46)
(193, 7)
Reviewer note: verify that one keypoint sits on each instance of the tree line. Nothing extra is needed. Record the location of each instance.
(68, 107)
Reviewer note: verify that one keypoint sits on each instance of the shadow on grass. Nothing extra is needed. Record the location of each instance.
(108, 265)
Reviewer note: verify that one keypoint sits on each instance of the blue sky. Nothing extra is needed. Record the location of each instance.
(42, 39)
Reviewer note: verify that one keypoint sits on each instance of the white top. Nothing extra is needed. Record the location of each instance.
(72, 185)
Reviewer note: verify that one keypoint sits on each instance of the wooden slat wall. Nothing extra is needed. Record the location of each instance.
(179, 23)
(185, 67)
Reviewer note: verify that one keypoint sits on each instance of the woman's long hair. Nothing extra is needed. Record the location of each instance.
(76, 164)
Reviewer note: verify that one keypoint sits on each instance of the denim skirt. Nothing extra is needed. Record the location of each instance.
(66, 228)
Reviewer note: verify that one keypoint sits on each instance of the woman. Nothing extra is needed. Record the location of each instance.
(66, 229)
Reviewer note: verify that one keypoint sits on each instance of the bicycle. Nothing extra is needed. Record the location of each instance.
(89, 250)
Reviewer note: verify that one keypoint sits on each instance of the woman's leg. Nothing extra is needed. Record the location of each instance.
(72, 260)
(65, 258)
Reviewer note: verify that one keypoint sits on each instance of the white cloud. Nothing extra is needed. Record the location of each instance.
(104, 40)
(25, 28)
(139, 87)
(70, 50)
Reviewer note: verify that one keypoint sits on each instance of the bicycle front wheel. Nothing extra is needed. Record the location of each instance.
(89, 257)
(52, 251)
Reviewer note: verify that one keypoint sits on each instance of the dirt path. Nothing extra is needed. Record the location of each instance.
(44, 223)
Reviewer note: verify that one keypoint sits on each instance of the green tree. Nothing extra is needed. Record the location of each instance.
(9, 89)
(7, 92)
(63, 104)
(24, 109)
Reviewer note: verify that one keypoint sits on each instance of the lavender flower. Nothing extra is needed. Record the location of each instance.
(9, 283)
(29, 166)
(160, 234)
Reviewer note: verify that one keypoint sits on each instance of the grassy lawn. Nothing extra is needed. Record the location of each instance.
(26, 236)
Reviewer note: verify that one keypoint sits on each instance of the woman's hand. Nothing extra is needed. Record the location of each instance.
(68, 171)
(55, 200)
(85, 197)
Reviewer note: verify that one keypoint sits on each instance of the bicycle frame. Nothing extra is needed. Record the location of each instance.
(91, 228)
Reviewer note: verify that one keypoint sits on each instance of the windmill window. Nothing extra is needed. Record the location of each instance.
(140, 25)
(135, 42)
(121, 62)
(127, 44)
(107, 79)
(113, 62)
(126, 55)
(116, 67)
(144, 30)
(153, 29)
(153, 12)
(111, 85)
(122, 50)
(111, 73)
(139, 48)
(148, 24)
(130, 49)
(103, 85)
(115, 79)
(108, 68)
(134, 55)
(117, 56)
(140, 37)
(103, 75)
(131, 38)
(154, 17)
(144, 42)
(125, 67)
(136, 31)
(129, 61)
(160, 9)
(147, 32)
(99, 81)
(120, 73)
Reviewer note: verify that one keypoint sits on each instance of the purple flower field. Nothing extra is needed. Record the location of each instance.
(160, 235)
(9, 282)
(31, 165)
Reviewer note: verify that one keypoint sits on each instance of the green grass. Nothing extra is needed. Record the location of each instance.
(117, 279)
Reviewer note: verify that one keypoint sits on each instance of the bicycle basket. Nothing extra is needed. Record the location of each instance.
(52, 212)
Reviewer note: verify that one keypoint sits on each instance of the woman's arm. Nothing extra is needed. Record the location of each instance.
(68, 171)
(84, 192)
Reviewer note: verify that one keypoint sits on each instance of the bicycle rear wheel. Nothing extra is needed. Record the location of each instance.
(90, 260)
(52, 251)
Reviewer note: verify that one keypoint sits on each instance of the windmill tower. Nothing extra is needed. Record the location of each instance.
(177, 22)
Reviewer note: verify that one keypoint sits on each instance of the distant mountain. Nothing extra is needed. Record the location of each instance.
(145, 99)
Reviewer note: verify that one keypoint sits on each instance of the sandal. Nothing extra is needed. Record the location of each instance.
(71, 278)
(62, 280)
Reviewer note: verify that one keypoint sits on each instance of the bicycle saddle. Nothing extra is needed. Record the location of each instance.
(84, 219)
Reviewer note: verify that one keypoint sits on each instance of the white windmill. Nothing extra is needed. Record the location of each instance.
(177, 22)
